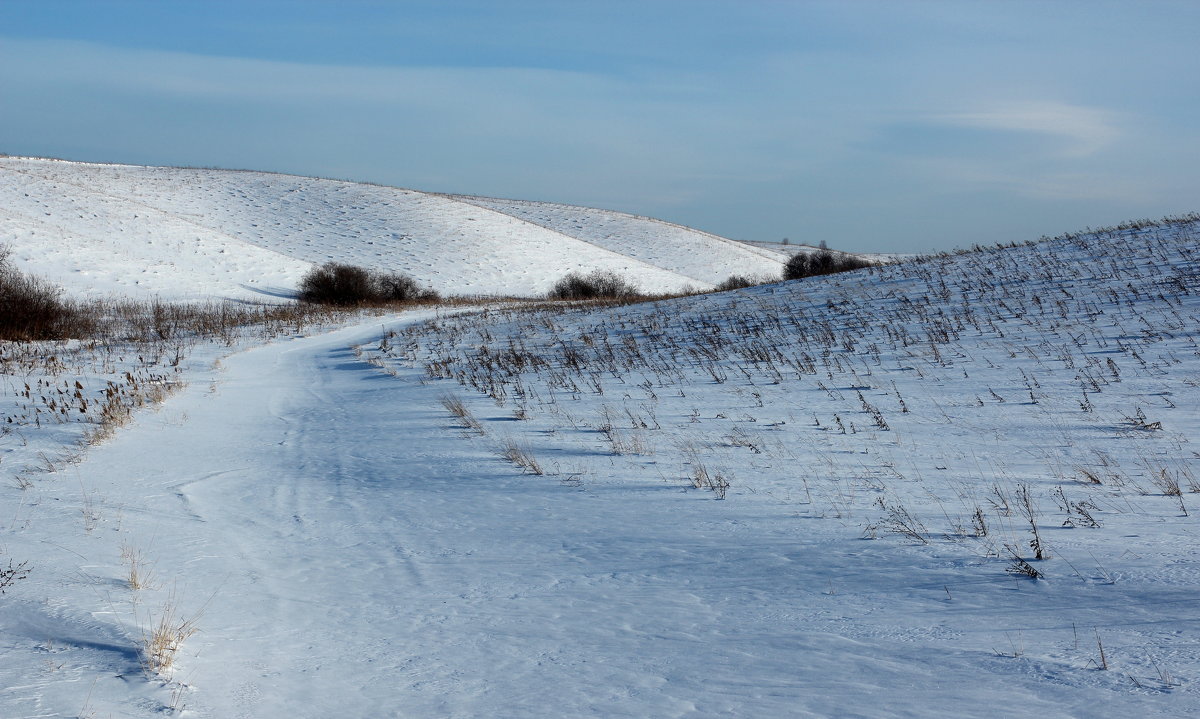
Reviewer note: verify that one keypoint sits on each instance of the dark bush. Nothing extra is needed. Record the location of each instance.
(33, 309)
(395, 287)
(346, 285)
(597, 284)
(336, 284)
(822, 262)
(736, 282)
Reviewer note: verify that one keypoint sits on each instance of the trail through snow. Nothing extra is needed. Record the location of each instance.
(356, 556)
(368, 561)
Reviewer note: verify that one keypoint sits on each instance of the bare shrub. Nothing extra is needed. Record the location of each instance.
(736, 282)
(336, 284)
(1166, 482)
(1028, 509)
(1020, 566)
(347, 285)
(396, 287)
(33, 309)
(824, 262)
(597, 284)
(899, 520)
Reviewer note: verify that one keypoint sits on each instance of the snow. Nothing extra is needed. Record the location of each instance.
(185, 233)
(910, 407)
(349, 547)
(706, 259)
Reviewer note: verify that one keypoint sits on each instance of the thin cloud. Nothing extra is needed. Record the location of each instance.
(1087, 130)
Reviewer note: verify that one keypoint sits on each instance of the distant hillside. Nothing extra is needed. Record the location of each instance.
(704, 257)
(185, 233)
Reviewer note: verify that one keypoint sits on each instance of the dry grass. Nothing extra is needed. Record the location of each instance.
(702, 478)
(163, 636)
(139, 573)
(898, 520)
(860, 340)
(521, 456)
(623, 442)
(454, 405)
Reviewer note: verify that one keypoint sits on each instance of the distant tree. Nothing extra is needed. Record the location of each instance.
(796, 267)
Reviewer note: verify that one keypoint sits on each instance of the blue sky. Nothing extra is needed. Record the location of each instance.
(880, 126)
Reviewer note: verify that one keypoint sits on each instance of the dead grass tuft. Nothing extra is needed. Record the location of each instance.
(163, 636)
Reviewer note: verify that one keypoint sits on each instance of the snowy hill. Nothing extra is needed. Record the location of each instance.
(706, 258)
(192, 233)
(960, 486)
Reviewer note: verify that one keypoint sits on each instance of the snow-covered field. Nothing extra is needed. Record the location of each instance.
(972, 475)
(185, 233)
(818, 498)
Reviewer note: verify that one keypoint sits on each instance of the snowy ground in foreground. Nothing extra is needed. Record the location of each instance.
(349, 548)
(189, 233)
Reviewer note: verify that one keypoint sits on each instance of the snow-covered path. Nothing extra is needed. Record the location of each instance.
(359, 557)
(369, 561)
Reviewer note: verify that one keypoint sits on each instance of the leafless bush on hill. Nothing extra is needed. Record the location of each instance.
(738, 282)
(346, 285)
(597, 284)
(824, 262)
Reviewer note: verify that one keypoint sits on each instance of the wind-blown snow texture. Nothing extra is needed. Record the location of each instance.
(349, 547)
(181, 233)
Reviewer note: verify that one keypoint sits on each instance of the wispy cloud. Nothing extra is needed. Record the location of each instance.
(1085, 130)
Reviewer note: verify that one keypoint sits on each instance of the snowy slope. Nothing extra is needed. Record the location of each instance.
(707, 259)
(178, 232)
(981, 417)
(80, 228)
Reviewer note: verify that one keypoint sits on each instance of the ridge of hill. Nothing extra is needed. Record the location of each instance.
(708, 258)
